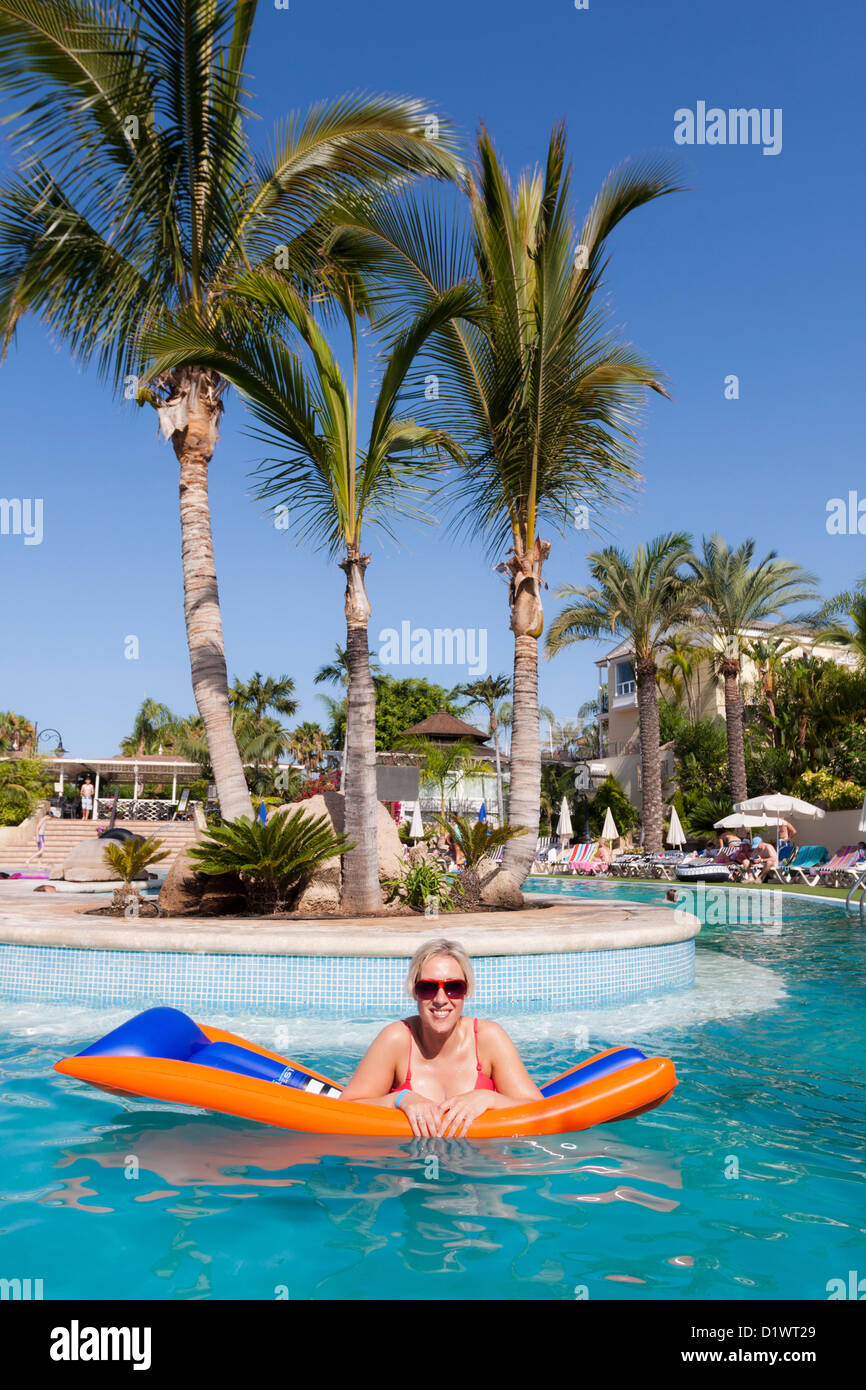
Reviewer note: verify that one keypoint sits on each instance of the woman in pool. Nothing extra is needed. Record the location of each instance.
(441, 1069)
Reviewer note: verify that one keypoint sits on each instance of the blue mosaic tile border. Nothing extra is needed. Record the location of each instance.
(333, 986)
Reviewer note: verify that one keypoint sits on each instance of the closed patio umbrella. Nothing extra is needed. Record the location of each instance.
(676, 834)
(861, 824)
(609, 830)
(564, 827)
(416, 829)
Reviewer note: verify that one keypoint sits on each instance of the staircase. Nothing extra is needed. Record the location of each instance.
(61, 835)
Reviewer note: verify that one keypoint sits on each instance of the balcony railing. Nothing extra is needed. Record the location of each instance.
(625, 688)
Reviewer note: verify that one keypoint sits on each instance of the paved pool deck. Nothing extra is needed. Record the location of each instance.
(547, 927)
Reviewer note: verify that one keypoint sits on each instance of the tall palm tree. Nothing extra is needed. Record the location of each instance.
(489, 692)
(309, 417)
(138, 194)
(538, 388)
(731, 594)
(641, 598)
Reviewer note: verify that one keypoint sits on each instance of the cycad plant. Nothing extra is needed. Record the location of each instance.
(731, 594)
(130, 858)
(138, 195)
(642, 598)
(534, 381)
(333, 485)
(271, 859)
(476, 841)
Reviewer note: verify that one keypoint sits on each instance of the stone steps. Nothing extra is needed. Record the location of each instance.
(61, 836)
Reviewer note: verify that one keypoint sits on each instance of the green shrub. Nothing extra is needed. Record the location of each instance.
(833, 793)
(422, 881)
(271, 859)
(611, 794)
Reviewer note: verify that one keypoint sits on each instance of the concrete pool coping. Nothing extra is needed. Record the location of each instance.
(549, 928)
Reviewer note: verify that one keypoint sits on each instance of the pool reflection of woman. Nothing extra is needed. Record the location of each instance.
(441, 1069)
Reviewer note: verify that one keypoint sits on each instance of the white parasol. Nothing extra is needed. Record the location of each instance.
(564, 827)
(676, 834)
(609, 830)
(416, 829)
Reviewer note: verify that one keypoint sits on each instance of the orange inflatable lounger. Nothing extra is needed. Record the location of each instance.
(162, 1054)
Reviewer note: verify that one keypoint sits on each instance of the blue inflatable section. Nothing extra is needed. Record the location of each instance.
(169, 1033)
(155, 1033)
(605, 1066)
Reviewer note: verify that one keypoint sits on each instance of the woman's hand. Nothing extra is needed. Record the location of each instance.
(423, 1115)
(458, 1113)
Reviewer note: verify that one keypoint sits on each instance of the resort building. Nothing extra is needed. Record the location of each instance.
(704, 692)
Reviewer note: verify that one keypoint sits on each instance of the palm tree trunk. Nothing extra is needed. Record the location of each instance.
(651, 776)
(524, 803)
(197, 415)
(734, 731)
(527, 624)
(361, 892)
(494, 727)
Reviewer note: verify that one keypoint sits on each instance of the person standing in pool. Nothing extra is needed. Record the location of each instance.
(441, 1069)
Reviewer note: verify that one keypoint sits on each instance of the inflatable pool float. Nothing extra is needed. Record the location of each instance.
(704, 873)
(162, 1054)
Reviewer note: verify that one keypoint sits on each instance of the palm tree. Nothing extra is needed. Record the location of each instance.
(16, 732)
(830, 627)
(642, 599)
(310, 418)
(444, 763)
(683, 659)
(731, 595)
(138, 195)
(307, 744)
(538, 389)
(768, 658)
(259, 694)
(489, 692)
(154, 728)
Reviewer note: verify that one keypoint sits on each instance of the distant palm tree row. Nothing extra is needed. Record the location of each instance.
(660, 598)
(144, 232)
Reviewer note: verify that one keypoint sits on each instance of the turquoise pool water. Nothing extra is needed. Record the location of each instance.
(748, 1184)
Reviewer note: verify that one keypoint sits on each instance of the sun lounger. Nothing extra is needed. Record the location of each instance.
(803, 868)
(578, 856)
(842, 859)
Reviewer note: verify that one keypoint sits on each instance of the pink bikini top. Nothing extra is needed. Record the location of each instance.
(483, 1082)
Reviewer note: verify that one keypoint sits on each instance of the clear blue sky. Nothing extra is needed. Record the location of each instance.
(757, 271)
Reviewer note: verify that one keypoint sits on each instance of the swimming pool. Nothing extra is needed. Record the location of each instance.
(748, 1184)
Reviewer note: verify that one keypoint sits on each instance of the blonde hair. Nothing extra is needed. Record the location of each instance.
(440, 947)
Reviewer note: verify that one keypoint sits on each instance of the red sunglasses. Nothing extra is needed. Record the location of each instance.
(426, 990)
